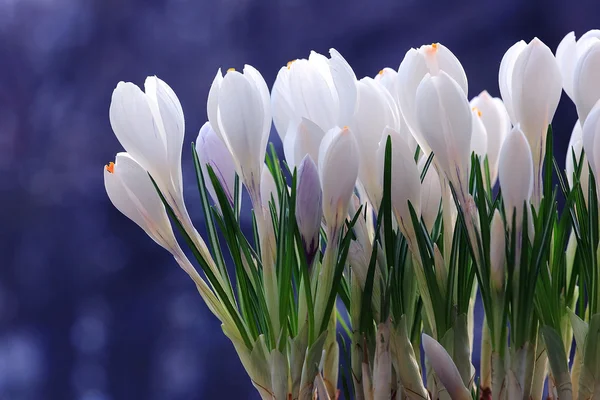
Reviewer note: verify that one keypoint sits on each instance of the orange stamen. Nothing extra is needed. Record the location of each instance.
(380, 72)
(231, 70)
(110, 167)
(477, 110)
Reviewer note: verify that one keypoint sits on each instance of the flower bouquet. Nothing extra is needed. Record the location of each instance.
(376, 233)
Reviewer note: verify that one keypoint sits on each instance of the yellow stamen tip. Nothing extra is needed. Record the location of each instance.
(477, 110)
(231, 70)
(289, 64)
(380, 72)
(110, 167)
(434, 46)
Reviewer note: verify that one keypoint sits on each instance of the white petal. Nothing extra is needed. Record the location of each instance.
(536, 90)
(305, 138)
(445, 122)
(566, 56)
(345, 85)
(338, 170)
(574, 148)
(168, 116)
(479, 134)
(505, 76)
(212, 150)
(281, 104)
(212, 104)
(241, 119)
(134, 126)
(591, 142)
(439, 58)
(309, 208)
(497, 125)
(261, 86)
(587, 79)
(131, 191)
(515, 171)
(388, 77)
(311, 95)
(410, 73)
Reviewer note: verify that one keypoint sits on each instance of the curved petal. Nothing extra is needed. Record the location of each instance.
(505, 76)
(281, 104)
(586, 82)
(344, 80)
(479, 134)
(591, 144)
(445, 368)
(133, 124)
(241, 119)
(168, 116)
(261, 86)
(575, 147)
(439, 58)
(445, 122)
(566, 56)
(515, 171)
(431, 194)
(212, 104)
(338, 170)
(411, 71)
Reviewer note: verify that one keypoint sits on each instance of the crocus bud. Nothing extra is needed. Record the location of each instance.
(405, 182)
(417, 63)
(515, 172)
(239, 111)
(375, 110)
(309, 211)
(309, 89)
(431, 194)
(212, 151)
(338, 171)
(497, 252)
(268, 189)
(445, 369)
(531, 85)
(497, 125)
(445, 121)
(581, 86)
(591, 139)
(387, 78)
(303, 137)
(575, 148)
(586, 83)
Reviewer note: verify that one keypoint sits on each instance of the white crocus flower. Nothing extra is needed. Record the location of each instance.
(431, 194)
(445, 369)
(303, 138)
(375, 110)
(445, 121)
(338, 171)
(417, 63)
(150, 126)
(239, 111)
(578, 85)
(591, 139)
(405, 180)
(497, 125)
(575, 147)
(318, 89)
(213, 151)
(531, 85)
(515, 171)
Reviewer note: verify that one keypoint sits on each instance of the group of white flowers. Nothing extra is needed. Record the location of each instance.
(334, 129)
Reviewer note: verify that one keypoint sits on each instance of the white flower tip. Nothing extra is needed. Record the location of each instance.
(445, 368)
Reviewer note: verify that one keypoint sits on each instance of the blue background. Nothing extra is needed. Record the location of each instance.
(90, 307)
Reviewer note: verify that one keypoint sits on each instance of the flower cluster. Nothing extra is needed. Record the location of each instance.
(385, 202)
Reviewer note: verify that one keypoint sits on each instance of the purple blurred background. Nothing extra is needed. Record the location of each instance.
(90, 307)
